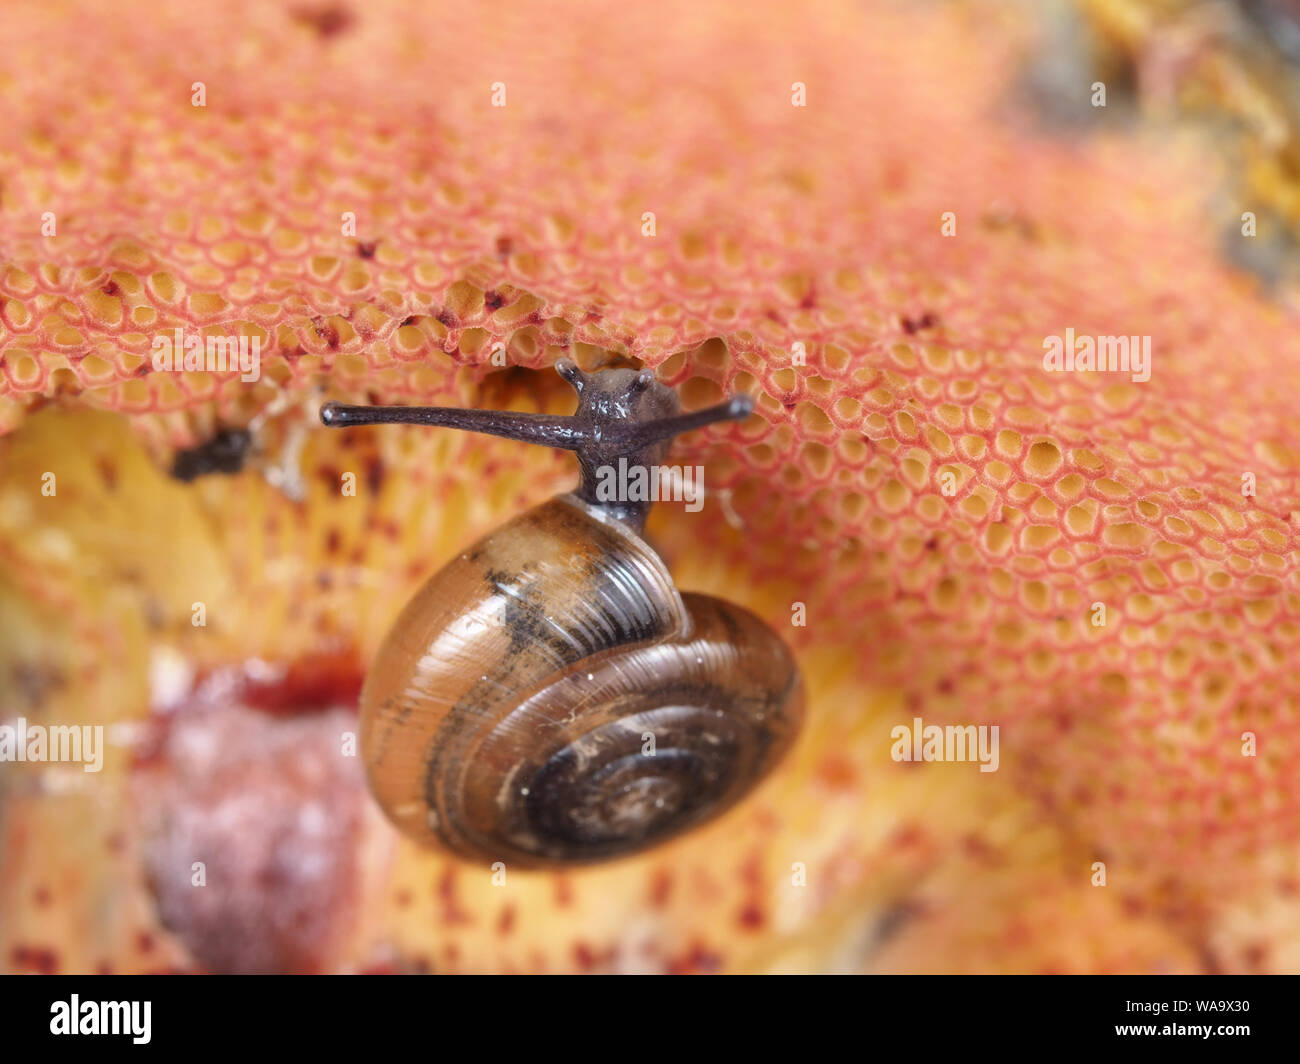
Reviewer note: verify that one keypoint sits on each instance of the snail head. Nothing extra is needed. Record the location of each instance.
(622, 414)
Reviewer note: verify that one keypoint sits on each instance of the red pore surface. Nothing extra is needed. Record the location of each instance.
(1094, 579)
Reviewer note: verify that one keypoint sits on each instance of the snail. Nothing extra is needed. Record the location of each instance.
(549, 698)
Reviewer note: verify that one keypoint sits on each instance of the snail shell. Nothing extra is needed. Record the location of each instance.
(508, 716)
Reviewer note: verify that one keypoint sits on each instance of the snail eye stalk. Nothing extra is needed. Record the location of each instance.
(623, 417)
(563, 432)
(603, 428)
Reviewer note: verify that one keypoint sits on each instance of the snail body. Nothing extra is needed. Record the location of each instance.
(549, 697)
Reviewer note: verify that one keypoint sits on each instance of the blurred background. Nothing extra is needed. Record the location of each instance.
(918, 194)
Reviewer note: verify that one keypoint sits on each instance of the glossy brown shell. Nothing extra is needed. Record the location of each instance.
(507, 715)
